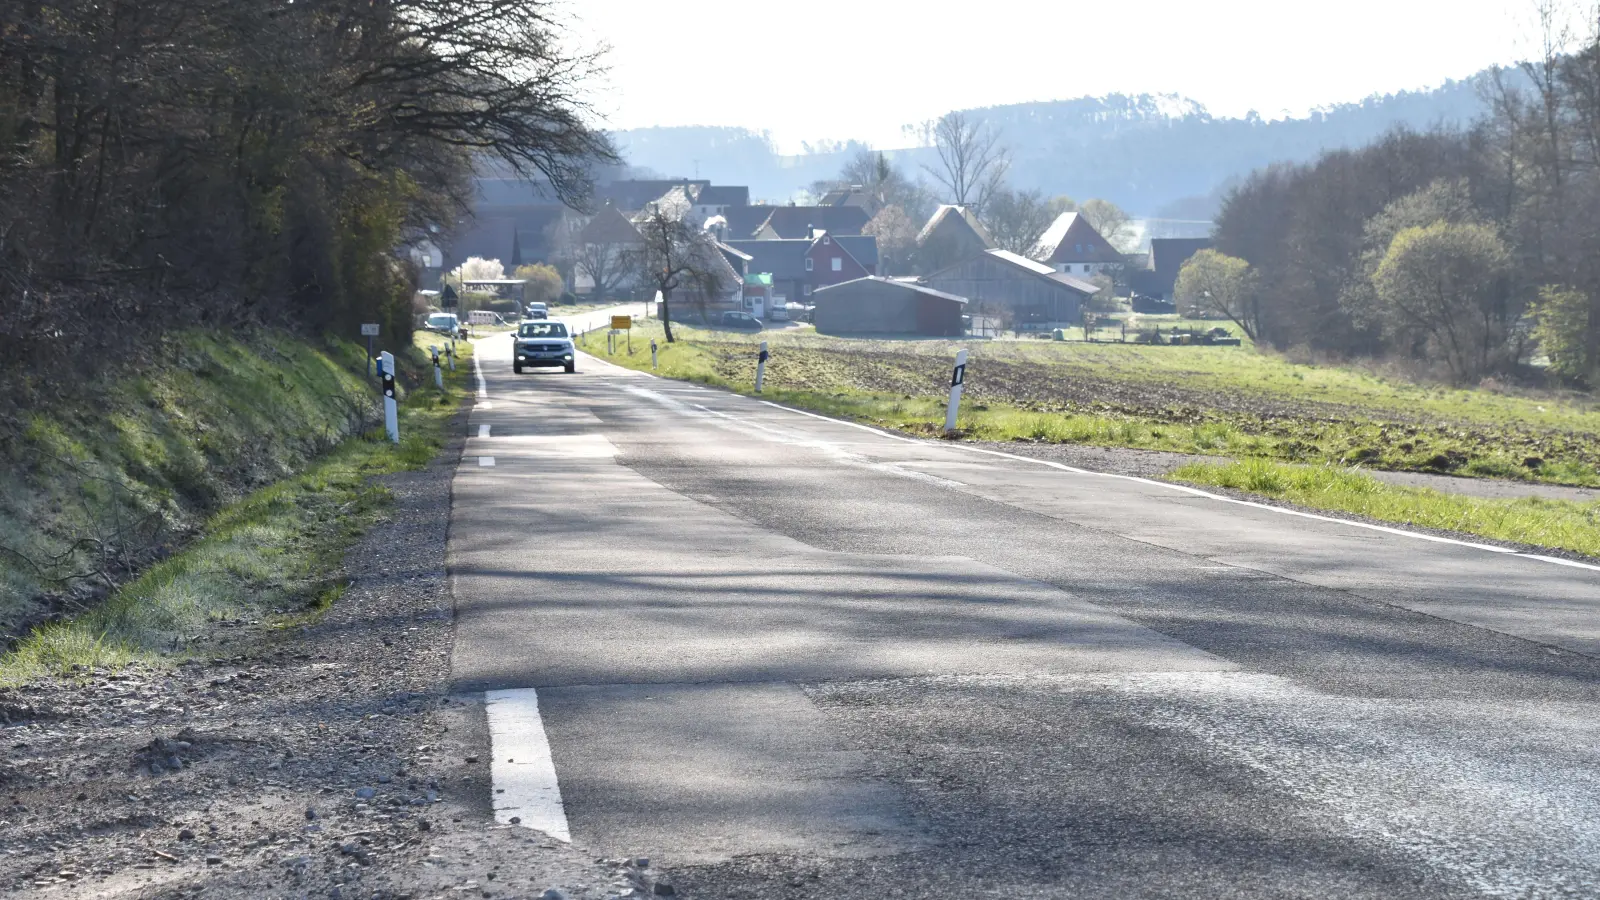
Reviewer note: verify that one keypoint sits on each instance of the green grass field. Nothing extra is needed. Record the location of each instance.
(269, 554)
(1223, 401)
(1546, 523)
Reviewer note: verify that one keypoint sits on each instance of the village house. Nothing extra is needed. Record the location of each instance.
(632, 194)
(1072, 246)
(853, 195)
(729, 268)
(603, 254)
(516, 235)
(790, 222)
(800, 266)
(952, 234)
(1158, 280)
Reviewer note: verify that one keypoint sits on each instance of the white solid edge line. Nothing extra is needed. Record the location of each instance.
(1205, 494)
(522, 770)
(477, 370)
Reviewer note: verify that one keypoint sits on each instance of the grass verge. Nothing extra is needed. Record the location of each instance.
(1559, 524)
(269, 556)
(1218, 401)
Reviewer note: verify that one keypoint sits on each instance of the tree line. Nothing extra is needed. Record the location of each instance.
(1472, 251)
(166, 163)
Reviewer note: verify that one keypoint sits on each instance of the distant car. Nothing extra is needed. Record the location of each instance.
(740, 320)
(543, 344)
(535, 311)
(445, 323)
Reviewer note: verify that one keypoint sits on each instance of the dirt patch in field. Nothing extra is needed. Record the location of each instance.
(1290, 429)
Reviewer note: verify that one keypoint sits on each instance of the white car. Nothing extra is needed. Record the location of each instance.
(544, 343)
(536, 311)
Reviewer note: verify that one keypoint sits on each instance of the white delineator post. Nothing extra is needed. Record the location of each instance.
(652, 353)
(391, 406)
(438, 370)
(958, 378)
(452, 354)
(761, 366)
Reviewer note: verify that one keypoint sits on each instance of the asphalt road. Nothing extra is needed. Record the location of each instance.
(791, 657)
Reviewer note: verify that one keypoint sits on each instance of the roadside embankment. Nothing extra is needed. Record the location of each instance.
(306, 746)
(216, 485)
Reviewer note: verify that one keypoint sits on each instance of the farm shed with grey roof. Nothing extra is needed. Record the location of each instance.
(875, 305)
(1036, 293)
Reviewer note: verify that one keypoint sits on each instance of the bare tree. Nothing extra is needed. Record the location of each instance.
(1115, 225)
(972, 161)
(676, 255)
(897, 239)
(608, 266)
(1017, 219)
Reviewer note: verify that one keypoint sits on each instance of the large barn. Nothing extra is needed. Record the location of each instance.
(1037, 295)
(875, 305)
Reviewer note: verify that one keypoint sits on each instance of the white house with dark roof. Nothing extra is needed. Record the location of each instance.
(1073, 247)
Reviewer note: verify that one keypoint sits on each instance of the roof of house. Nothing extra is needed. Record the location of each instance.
(800, 221)
(609, 226)
(1071, 239)
(727, 274)
(892, 282)
(633, 193)
(723, 195)
(864, 247)
(1167, 255)
(744, 221)
(782, 259)
(850, 196)
(1026, 266)
(954, 213)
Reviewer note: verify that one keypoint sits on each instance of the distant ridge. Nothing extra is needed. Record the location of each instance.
(1154, 154)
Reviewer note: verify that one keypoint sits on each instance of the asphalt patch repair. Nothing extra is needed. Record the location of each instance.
(327, 761)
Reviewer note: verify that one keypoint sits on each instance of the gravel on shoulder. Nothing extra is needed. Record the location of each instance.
(326, 760)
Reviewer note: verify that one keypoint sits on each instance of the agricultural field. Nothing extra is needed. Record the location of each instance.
(1220, 401)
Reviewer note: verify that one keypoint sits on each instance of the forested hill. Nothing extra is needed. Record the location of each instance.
(1151, 154)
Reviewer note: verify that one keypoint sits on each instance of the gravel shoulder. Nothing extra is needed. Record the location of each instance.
(321, 761)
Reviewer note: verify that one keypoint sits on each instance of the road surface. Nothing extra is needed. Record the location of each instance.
(793, 657)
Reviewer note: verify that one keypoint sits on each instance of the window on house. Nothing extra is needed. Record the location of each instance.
(1078, 247)
(808, 288)
(838, 264)
(808, 264)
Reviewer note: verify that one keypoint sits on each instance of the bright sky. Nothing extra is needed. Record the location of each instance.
(862, 68)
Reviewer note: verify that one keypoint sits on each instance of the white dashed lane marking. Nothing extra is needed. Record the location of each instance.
(483, 431)
(486, 461)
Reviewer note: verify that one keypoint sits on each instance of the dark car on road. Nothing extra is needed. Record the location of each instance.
(740, 321)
